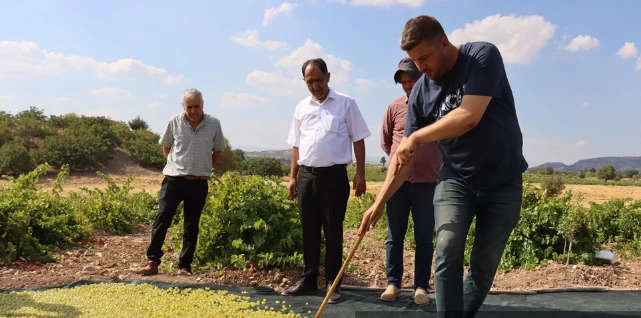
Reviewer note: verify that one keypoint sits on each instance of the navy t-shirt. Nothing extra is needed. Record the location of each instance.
(492, 152)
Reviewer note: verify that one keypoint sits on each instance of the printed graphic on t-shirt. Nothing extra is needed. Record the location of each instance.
(450, 102)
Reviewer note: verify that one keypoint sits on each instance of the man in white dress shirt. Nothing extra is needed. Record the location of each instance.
(324, 128)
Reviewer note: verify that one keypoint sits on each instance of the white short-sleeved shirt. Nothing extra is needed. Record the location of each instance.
(190, 150)
(324, 132)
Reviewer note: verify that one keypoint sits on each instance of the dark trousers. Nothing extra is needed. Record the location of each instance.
(417, 198)
(322, 202)
(173, 191)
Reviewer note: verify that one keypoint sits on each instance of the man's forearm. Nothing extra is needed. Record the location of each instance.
(215, 156)
(293, 170)
(454, 124)
(359, 152)
(402, 175)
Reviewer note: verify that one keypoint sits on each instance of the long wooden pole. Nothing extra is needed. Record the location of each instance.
(386, 190)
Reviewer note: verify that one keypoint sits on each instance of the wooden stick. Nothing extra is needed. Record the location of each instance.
(386, 190)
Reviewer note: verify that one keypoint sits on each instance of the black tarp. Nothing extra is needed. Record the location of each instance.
(360, 303)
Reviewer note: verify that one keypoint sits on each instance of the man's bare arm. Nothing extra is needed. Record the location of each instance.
(456, 123)
(165, 151)
(293, 171)
(215, 156)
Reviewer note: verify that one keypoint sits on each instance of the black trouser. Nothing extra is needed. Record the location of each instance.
(172, 192)
(322, 201)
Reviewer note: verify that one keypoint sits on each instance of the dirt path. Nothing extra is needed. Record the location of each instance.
(116, 258)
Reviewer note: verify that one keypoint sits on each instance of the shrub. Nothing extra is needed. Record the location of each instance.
(144, 148)
(553, 185)
(265, 167)
(247, 220)
(138, 123)
(14, 157)
(115, 209)
(78, 148)
(33, 222)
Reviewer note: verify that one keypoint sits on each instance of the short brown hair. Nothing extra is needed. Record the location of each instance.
(420, 28)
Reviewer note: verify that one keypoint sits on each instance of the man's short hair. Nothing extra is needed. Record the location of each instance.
(319, 62)
(419, 29)
(192, 93)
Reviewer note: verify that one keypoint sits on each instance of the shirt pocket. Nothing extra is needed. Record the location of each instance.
(332, 122)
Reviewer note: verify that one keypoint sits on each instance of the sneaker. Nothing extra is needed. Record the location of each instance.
(390, 293)
(150, 269)
(420, 297)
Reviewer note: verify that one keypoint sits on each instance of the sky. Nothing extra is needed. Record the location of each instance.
(574, 66)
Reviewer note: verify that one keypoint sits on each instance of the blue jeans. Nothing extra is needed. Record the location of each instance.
(417, 197)
(497, 212)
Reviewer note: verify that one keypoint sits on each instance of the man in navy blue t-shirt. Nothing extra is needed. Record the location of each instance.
(463, 102)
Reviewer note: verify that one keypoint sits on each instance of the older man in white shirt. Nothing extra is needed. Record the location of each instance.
(324, 128)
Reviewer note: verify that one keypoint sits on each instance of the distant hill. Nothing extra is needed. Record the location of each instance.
(619, 163)
(285, 156)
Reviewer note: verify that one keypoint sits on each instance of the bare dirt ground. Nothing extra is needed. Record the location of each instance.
(112, 257)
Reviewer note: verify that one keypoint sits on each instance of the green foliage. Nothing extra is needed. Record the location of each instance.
(138, 123)
(227, 162)
(14, 157)
(553, 185)
(34, 222)
(606, 173)
(262, 167)
(144, 148)
(372, 173)
(247, 220)
(78, 147)
(547, 227)
(115, 209)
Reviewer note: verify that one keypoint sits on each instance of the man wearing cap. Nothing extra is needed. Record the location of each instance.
(415, 194)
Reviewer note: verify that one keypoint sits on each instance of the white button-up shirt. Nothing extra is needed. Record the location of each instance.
(324, 132)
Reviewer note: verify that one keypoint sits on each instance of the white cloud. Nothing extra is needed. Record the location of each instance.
(583, 42)
(581, 143)
(157, 105)
(385, 3)
(586, 104)
(519, 38)
(240, 100)
(638, 66)
(249, 38)
(287, 79)
(338, 67)
(364, 84)
(174, 79)
(159, 95)
(27, 60)
(628, 51)
(284, 9)
(275, 83)
(111, 92)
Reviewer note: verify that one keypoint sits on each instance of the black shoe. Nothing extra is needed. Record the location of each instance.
(300, 288)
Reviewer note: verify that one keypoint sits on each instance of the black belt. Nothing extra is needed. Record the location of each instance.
(192, 177)
(323, 169)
